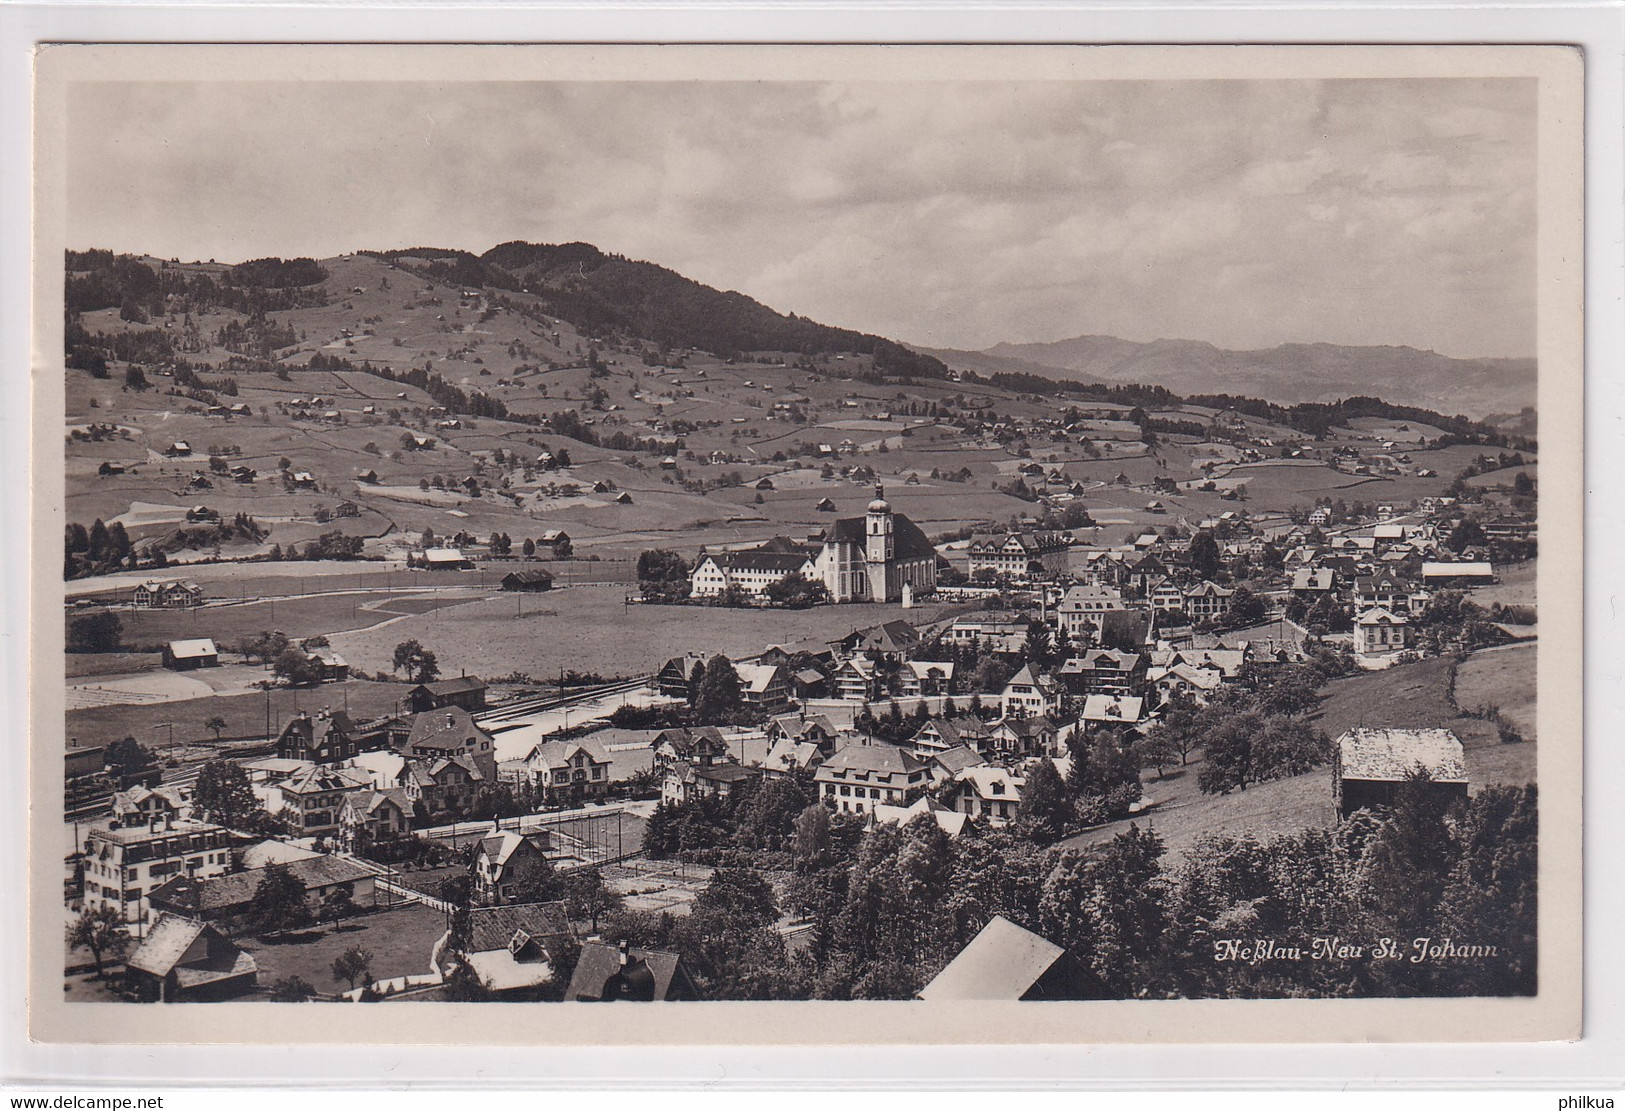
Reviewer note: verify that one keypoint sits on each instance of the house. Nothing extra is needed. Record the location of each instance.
(1103, 671)
(226, 901)
(1022, 736)
(568, 772)
(1312, 583)
(1388, 591)
(1166, 596)
(185, 961)
(943, 734)
(325, 738)
(330, 667)
(992, 633)
(440, 785)
(366, 819)
(1229, 661)
(1184, 679)
(1018, 555)
(988, 791)
(672, 680)
(623, 498)
(466, 692)
(517, 947)
(312, 800)
(1372, 765)
(1457, 574)
(139, 805)
(439, 559)
(1110, 709)
(178, 448)
(825, 506)
(925, 678)
(505, 861)
(1208, 601)
(751, 571)
(1380, 632)
(763, 687)
(123, 865)
(1082, 609)
(701, 746)
(857, 680)
(819, 730)
(529, 581)
(189, 655)
(891, 640)
(302, 480)
(553, 544)
(608, 974)
(1006, 963)
(684, 783)
(951, 822)
(786, 755)
(860, 777)
(166, 593)
(1031, 692)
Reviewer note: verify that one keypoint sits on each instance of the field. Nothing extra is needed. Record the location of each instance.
(1504, 678)
(1516, 588)
(593, 630)
(400, 941)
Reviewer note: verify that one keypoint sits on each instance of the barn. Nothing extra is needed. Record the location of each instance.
(1373, 764)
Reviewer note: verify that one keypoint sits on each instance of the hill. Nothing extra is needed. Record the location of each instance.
(1289, 374)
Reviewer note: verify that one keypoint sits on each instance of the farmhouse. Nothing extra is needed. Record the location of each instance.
(184, 961)
(1372, 765)
(166, 593)
(225, 900)
(440, 785)
(451, 732)
(701, 746)
(673, 678)
(528, 581)
(763, 687)
(553, 544)
(466, 692)
(439, 559)
(188, 655)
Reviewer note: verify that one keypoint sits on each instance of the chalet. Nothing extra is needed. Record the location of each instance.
(504, 862)
(553, 544)
(532, 581)
(369, 818)
(242, 475)
(568, 772)
(140, 805)
(1208, 601)
(466, 692)
(330, 667)
(166, 593)
(1022, 736)
(346, 509)
(325, 738)
(926, 678)
(1184, 679)
(369, 476)
(623, 498)
(942, 734)
(440, 785)
(519, 947)
(312, 800)
(673, 678)
(860, 777)
(857, 680)
(1166, 596)
(787, 755)
(1373, 765)
(451, 732)
(184, 961)
(607, 974)
(1312, 583)
(763, 687)
(989, 792)
(684, 783)
(178, 448)
(1390, 592)
(819, 731)
(1103, 671)
(825, 506)
(302, 480)
(188, 655)
(1107, 710)
(1082, 609)
(701, 747)
(1031, 692)
(202, 513)
(1228, 661)
(948, 820)
(1380, 632)
(893, 639)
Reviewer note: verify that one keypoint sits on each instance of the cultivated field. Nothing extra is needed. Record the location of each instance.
(1503, 678)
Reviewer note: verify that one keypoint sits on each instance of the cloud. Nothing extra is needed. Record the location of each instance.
(1246, 213)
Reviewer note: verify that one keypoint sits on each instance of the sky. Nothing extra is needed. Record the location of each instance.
(1246, 213)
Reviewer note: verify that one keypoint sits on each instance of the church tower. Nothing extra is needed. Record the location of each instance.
(880, 549)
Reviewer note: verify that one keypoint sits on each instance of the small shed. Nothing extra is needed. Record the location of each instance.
(1373, 764)
(531, 581)
(188, 655)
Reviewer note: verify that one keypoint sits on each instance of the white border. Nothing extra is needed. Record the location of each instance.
(1597, 1057)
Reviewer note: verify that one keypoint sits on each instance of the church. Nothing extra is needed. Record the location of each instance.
(872, 558)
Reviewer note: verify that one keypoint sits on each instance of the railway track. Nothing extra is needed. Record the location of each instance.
(522, 707)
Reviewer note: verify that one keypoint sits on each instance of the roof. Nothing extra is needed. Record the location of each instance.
(647, 976)
(756, 559)
(881, 759)
(492, 928)
(1002, 962)
(529, 576)
(956, 759)
(757, 678)
(498, 847)
(460, 685)
(450, 728)
(553, 753)
(167, 942)
(788, 753)
(1390, 755)
(908, 542)
(192, 649)
(992, 782)
(219, 894)
(1450, 570)
(1377, 615)
(950, 822)
(318, 780)
(1106, 707)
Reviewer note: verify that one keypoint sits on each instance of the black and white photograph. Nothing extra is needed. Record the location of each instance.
(777, 525)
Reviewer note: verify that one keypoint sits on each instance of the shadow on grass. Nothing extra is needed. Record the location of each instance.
(302, 937)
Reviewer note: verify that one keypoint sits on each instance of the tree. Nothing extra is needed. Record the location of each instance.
(265, 647)
(741, 895)
(95, 632)
(127, 757)
(719, 690)
(102, 932)
(215, 725)
(134, 379)
(278, 903)
(338, 904)
(1247, 608)
(292, 989)
(1045, 812)
(225, 795)
(796, 591)
(295, 668)
(418, 662)
(1467, 534)
(355, 963)
(1204, 555)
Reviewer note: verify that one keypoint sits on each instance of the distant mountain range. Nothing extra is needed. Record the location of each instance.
(1289, 374)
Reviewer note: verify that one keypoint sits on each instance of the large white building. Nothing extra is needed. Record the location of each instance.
(858, 559)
